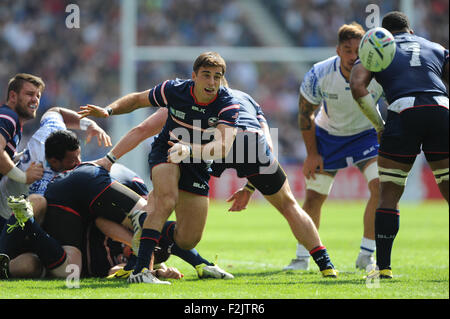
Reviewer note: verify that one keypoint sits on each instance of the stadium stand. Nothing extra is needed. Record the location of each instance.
(82, 65)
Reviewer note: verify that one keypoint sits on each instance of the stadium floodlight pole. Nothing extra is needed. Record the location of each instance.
(123, 123)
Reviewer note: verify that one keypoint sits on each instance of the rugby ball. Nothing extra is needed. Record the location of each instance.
(377, 49)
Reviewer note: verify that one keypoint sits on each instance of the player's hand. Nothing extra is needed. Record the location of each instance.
(239, 199)
(170, 272)
(178, 152)
(96, 131)
(34, 172)
(104, 162)
(311, 164)
(92, 110)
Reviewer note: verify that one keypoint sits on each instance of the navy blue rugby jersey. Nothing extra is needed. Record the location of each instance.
(417, 68)
(186, 112)
(11, 130)
(250, 113)
(79, 187)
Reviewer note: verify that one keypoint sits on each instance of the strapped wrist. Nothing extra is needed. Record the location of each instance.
(109, 110)
(249, 187)
(85, 123)
(111, 157)
(17, 175)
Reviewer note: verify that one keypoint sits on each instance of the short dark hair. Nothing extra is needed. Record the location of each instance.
(59, 142)
(350, 31)
(395, 21)
(15, 84)
(209, 59)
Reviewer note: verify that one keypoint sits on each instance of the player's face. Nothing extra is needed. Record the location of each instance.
(26, 101)
(348, 52)
(70, 160)
(207, 82)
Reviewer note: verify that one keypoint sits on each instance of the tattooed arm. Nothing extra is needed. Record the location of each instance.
(308, 129)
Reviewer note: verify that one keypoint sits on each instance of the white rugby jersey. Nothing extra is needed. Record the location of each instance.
(34, 152)
(339, 114)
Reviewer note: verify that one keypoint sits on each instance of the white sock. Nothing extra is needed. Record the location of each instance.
(302, 252)
(367, 246)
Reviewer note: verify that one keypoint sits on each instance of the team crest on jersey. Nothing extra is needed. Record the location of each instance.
(212, 121)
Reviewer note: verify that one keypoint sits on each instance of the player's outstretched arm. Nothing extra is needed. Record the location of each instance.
(74, 121)
(150, 127)
(125, 104)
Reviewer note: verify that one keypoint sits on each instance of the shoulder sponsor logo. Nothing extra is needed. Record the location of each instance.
(177, 113)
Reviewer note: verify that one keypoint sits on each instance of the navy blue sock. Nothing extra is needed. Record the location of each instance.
(387, 224)
(191, 256)
(320, 256)
(12, 243)
(131, 262)
(48, 249)
(149, 240)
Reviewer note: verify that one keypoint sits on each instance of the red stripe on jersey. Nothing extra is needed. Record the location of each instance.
(67, 209)
(95, 198)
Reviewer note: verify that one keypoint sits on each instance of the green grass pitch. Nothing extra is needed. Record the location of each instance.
(255, 244)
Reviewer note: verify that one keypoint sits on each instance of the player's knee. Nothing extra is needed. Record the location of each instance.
(313, 200)
(374, 188)
(188, 243)
(26, 265)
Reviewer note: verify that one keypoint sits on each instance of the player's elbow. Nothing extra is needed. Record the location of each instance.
(357, 88)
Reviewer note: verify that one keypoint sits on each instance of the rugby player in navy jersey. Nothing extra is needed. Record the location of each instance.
(252, 157)
(198, 107)
(23, 97)
(417, 120)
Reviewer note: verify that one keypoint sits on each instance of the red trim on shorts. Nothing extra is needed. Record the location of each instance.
(67, 209)
(399, 155)
(183, 190)
(58, 262)
(316, 249)
(96, 197)
(388, 211)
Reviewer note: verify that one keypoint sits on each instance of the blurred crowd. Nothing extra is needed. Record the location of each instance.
(82, 65)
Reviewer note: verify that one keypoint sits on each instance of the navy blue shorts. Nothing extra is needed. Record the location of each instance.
(414, 129)
(194, 177)
(249, 156)
(342, 151)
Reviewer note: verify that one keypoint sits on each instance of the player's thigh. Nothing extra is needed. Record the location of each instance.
(191, 214)
(165, 177)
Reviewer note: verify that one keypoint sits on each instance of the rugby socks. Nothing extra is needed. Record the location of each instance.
(320, 256)
(12, 243)
(148, 242)
(48, 249)
(367, 246)
(387, 224)
(191, 256)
